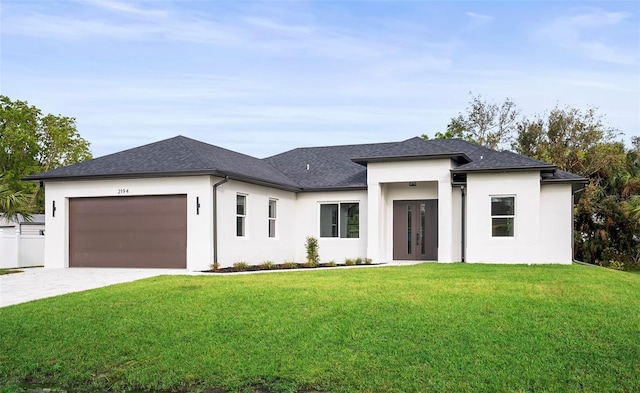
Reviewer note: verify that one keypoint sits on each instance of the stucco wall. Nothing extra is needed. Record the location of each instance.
(556, 223)
(256, 246)
(389, 181)
(542, 227)
(199, 226)
(308, 224)
(542, 220)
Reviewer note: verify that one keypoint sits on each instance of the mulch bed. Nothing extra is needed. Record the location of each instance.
(293, 266)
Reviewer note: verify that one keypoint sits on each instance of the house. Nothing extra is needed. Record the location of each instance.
(181, 203)
(22, 241)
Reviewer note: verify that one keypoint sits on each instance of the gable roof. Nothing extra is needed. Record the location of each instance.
(301, 169)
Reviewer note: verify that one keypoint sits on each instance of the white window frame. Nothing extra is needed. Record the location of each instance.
(272, 218)
(241, 217)
(503, 216)
(338, 224)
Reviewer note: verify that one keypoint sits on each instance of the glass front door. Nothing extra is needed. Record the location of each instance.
(415, 230)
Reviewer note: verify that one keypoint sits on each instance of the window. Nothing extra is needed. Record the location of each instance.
(272, 218)
(503, 216)
(241, 214)
(340, 220)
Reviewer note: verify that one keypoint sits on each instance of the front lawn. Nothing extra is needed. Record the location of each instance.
(430, 327)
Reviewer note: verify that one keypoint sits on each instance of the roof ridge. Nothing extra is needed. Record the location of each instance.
(206, 164)
(182, 139)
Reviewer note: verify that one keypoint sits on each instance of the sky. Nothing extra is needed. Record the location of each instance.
(263, 77)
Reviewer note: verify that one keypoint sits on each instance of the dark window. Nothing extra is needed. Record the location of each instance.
(241, 214)
(346, 224)
(503, 216)
(272, 217)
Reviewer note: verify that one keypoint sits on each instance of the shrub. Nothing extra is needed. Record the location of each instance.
(368, 261)
(289, 265)
(332, 263)
(241, 266)
(311, 245)
(311, 264)
(358, 261)
(349, 262)
(614, 259)
(266, 265)
(215, 266)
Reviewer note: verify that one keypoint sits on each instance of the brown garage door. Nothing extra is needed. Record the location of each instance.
(136, 231)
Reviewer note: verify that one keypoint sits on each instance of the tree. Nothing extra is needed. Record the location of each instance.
(14, 203)
(485, 123)
(31, 142)
(576, 141)
(607, 216)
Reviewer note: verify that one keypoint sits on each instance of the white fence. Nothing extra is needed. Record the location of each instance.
(20, 250)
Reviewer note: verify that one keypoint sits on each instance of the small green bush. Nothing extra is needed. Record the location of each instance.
(311, 264)
(241, 266)
(368, 261)
(311, 245)
(289, 265)
(358, 261)
(266, 265)
(614, 259)
(349, 261)
(215, 266)
(332, 263)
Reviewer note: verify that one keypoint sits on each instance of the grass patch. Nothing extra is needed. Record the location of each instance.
(9, 271)
(417, 328)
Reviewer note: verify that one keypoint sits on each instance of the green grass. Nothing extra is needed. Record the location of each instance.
(430, 327)
(9, 271)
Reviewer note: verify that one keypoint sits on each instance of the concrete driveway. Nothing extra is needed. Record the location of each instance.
(39, 283)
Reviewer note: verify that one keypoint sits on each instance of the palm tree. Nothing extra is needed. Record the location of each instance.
(14, 203)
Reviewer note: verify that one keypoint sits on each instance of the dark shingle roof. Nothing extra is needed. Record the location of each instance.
(302, 169)
(328, 167)
(563, 176)
(172, 157)
(503, 160)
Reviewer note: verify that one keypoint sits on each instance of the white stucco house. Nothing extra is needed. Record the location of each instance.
(182, 203)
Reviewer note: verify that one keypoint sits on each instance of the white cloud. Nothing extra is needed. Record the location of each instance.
(477, 20)
(588, 34)
(128, 9)
(480, 17)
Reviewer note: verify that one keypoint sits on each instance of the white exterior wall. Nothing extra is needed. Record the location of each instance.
(542, 231)
(199, 226)
(389, 181)
(308, 224)
(556, 223)
(543, 219)
(256, 246)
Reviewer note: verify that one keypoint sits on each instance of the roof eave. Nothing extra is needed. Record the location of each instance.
(132, 175)
(150, 175)
(419, 157)
(334, 188)
(257, 181)
(505, 169)
(581, 180)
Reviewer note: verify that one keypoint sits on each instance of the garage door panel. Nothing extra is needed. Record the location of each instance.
(119, 242)
(133, 205)
(138, 231)
(131, 259)
(131, 222)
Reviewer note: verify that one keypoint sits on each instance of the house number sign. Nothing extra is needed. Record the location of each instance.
(123, 191)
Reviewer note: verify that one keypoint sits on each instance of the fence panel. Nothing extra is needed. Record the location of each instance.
(31, 250)
(8, 248)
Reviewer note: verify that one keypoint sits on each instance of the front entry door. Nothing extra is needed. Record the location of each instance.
(415, 230)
